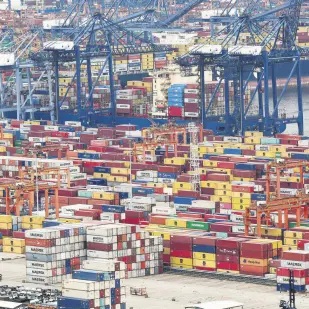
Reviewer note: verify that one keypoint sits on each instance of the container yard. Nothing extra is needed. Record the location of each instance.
(154, 154)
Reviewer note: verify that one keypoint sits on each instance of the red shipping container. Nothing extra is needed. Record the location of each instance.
(253, 270)
(182, 254)
(230, 243)
(301, 243)
(175, 111)
(298, 273)
(226, 165)
(192, 107)
(296, 255)
(188, 193)
(218, 177)
(46, 243)
(204, 268)
(18, 234)
(228, 266)
(227, 258)
(99, 246)
(181, 246)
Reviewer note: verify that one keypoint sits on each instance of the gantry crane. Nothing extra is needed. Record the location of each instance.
(270, 43)
(277, 204)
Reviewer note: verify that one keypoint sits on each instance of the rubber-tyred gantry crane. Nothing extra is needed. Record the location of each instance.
(277, 204)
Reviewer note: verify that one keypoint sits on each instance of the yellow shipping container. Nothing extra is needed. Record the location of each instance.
(276, 232)
(273, 270)
(293, 179)
(204, 256)
(6, 219)
(103, 195)
(181, 261)
(237, 206)
(224, 186)
(290, 241)
(240, 200)
(202, 149)
(293, 234)
(209, 163)
(176, 222)
(14, 242)
(100, 175)
(204, 263)
(167, 251)
(164, 235)
(120, 171)
(254, 262)
(182, 185)
(5, 226)
(253, 134)
(175, 161)
(288, 248)
(209, 184)
(285, 155)
(267, 154)
(252, 140)
(215, 150)
(30, 226)
(241, 195)
(65, 220)
(223, 192)
(32, 219)
(117, 178)
(222, 199)
(181, 266)
(11, 249)
(276, 148)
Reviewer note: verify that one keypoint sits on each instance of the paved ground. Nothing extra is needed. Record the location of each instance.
(169, 291)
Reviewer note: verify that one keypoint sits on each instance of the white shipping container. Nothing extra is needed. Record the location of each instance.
(191, 114)
(102, 265)
(204, 204)
(101, 254)
(233, 139)
(191, 100)
(73, 123)
(41, 280)
(42, 234)
(102, 239)
(294, 264)
(79, 294)
(41, 265)
(123, 106)
(136, 133)
(78, 176)
(51, 128)
(166, 180)
(164, 210)
(39, 272)
(193, 91)
(286, 280)
(236, 218)
(288, 191)
(84, 285)
(262, 147)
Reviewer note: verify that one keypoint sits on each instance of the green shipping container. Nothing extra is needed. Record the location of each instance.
(17, 143)
(20, 151)
(197, 225)
(83, 193)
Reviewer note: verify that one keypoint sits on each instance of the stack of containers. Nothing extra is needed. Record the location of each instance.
(53, 253)
(254, 257)
(128, 243)
(191, 101)
(121, 64)
(296, 238)
(160, 60)
(176, 100)
(134, 63)
(8, 224)
(228, 254)
(298, 262)
(100, 284)
(181, 254)
(204, 253)
(31, 222)
(147, 61)
(14, 245)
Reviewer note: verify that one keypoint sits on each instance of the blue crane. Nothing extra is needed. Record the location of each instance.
(271, 43)
(100, 38)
